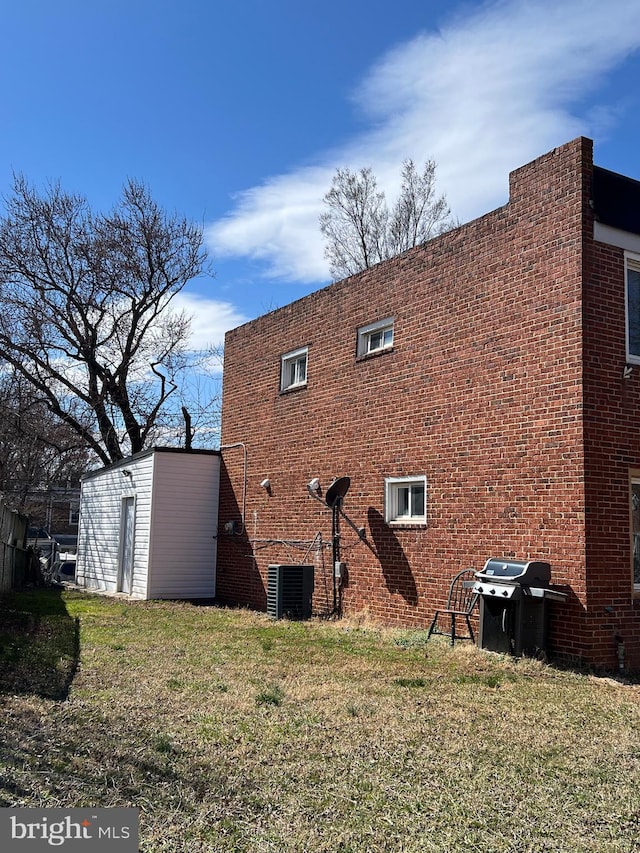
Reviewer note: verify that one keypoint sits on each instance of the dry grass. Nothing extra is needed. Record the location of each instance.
(232, 732)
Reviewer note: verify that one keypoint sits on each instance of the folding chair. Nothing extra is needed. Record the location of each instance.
(460, 603)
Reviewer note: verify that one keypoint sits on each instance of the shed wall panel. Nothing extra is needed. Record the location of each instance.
(184, 526)
(99, 526)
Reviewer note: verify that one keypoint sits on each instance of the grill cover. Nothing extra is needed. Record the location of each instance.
(527, 573)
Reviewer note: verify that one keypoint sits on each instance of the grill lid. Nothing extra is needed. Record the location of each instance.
(527, 573)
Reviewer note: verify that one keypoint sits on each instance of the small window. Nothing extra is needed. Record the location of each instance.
(376, 337)
(406, 500)
(632, 287)
(293, 369)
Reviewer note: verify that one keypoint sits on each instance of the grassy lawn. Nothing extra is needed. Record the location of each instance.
(232, 732)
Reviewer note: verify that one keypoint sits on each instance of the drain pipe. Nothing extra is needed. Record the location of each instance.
(336, 565)
(335, 553)
(244, 481)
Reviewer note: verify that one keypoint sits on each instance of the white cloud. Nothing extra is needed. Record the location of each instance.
(277, 223)
(493, 89)
(210, 318)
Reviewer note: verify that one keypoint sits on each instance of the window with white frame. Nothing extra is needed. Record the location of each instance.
(406, 500)
(632, 290)
(376, 337)
(293, 369)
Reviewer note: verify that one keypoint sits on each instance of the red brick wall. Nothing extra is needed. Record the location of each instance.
(612, 447)
(482, 393)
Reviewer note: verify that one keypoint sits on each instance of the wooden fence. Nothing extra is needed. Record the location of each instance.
(13, 553)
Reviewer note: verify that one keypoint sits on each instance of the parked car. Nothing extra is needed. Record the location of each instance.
(64, 571)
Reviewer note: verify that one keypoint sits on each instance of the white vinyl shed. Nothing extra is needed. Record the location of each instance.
(148, 525)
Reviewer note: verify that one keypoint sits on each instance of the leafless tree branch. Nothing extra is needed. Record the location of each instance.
(84, 301)
(359, 229)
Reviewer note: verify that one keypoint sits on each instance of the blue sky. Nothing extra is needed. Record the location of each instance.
(238, 113)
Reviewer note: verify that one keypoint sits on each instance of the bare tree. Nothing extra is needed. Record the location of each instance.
(84, 309)
(418, 214)
(355, 224)
(192, 414)
(358, 227)
(37, 450)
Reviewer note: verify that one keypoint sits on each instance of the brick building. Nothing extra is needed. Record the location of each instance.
(481, 393)
(52, 508)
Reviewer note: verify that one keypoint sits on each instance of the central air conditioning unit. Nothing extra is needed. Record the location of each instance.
(289, 591)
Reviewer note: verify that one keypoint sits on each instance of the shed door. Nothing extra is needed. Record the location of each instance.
(127, 516)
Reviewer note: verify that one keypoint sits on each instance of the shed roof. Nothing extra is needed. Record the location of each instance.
(122, 463)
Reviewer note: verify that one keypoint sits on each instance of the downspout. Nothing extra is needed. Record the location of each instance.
(244, 481)
(335, 551)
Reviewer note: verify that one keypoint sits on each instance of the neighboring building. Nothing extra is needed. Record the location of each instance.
(53, 508)
(148, 525)
(481, 391)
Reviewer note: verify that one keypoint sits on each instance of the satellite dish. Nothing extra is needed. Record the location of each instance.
(336, 491)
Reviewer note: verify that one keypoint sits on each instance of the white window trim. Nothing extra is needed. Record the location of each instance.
(366, 332)
(286, 361)
(631, 261)
(391, 488)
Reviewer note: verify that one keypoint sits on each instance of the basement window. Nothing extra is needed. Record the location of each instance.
(293, 369)
(405, 500)
(632, 293)
(375, 338)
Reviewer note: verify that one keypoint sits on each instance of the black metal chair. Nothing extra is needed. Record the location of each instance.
(462, 599)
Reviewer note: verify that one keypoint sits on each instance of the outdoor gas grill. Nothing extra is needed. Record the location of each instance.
(513, 596)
